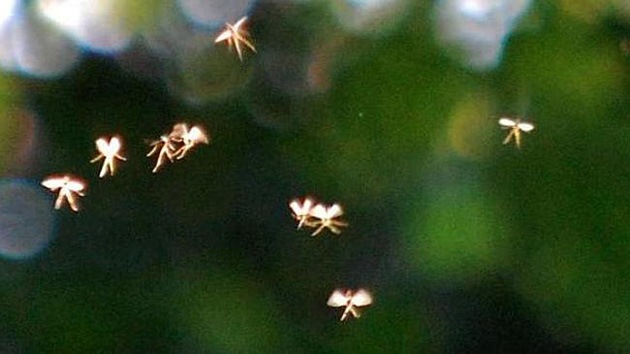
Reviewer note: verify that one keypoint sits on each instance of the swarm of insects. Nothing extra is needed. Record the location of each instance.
(177, 143)
(317, 216)
(351, 300)
(516, 126)
(68, 186)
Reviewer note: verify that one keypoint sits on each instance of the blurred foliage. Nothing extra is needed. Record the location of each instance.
(467, 245)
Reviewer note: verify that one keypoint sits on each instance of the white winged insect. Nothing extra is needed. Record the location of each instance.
(301, 212)
(351, 300)
(189, 138)
(515, 126)
(167, 151)
(68, 187)
(234, 35)
(108, 151)
(326, 218)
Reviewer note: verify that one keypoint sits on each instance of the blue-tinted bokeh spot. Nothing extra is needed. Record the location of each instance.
(26, 219)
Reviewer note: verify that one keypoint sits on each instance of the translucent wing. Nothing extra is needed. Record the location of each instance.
(179, 130)
(308, 204)
(303, 209)
(526, 127)
(102, 146)
(506, 122)
(319, 211)
(240, 22)
(295, 207)
(197, 135)
(114, 145)
(361, 298)
(334, 211)
(76, 186)
(337, 298)
(225, 35)
(53, 183)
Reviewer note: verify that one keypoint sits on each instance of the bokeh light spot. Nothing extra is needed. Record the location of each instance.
(477, 29)
(97, 25)
(7, 10)
(214, 12)
(369, 16)
(39, 49)
(26, 220)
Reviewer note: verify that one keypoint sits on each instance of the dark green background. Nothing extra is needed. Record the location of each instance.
(467, 245)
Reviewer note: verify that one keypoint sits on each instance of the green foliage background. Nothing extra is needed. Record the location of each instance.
(466, 244)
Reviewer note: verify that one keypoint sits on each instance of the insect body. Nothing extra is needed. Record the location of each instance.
(301, 213)
(177, 143)
(109, 151)
(67, 187)
(515, 126)
(351, 300)
(317, 216)
(234, 35)
(189, 138)
(167, 151)
(326, 218)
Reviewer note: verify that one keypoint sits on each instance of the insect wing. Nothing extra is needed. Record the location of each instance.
(334, 211)
(304, 209)
(197, 135)
(295, 208)
(526, 127)
(53, 183)
(179, 131)
(102, 146)
(76, 186)
(319, 211)
(308, 204)
(506, 122)
(337, 298)
(114, 145)
(240, 22)
(225, 35)
(361, 298)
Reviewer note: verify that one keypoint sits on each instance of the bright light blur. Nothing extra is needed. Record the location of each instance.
(7, 59)
(477, 29)
(26, 219)
(39, 50)
(97, 25)
(214, 13)
(31, 46)
(7, 10)
(369, 16)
